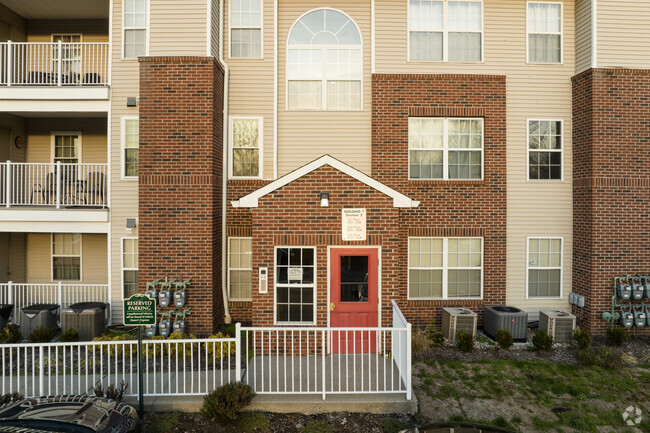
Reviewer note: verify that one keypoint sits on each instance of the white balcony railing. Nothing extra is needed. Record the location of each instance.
(53, 64)
(64, 294)
(53, 184)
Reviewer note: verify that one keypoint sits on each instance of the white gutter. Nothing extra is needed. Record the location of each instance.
(594, 33)
(275, 90)
(224, 185)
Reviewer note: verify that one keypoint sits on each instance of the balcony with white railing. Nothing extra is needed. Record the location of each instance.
(76, 70)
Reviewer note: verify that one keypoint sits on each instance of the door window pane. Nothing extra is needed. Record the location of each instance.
(354, 278)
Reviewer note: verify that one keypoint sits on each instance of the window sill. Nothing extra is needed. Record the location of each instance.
(449, 181)
(446, 299)
(240, 300)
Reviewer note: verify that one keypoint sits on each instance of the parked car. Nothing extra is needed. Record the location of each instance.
(451, 427)
(67, 413)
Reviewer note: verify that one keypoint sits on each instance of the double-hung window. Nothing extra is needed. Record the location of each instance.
(544, 150)
(129, 266)
(442, 148)
(324, 63)
(445, 30)
(295, 289)
(130, 146)
(544, 23)
(240, 268)
(135, 29)
(445, 268)
(246, 147)
(66, 256)
(246, 28)
(544, 267)
(66, 148)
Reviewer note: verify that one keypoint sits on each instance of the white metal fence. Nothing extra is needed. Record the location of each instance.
(274, 360)
(171, 367)
(53, 64)
(53, 184)
(64, 294)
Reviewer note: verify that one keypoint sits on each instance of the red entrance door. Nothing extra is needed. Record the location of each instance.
(354, 298)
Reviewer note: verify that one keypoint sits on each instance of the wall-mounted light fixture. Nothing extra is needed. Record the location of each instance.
(131, 101)
(324, 199)
(130, 225)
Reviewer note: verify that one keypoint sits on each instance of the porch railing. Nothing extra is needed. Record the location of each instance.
(53, 184)
(63, 294)
(171, 367)
(53, 64)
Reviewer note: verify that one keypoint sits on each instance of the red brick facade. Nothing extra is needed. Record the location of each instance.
(611, 185)
(292, 216)
(180, 180)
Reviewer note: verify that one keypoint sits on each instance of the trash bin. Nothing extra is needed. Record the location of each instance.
(38, 315)
(86, 317)
(5, 313)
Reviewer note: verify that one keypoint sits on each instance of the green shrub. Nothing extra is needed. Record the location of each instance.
(317, 426)
(582, 338)
(40, 335)
(10, 398)
(542, 341)
(115, 349)
(112, 391)
(504, 338)
(252, 422)
(465, 341)
(220, 349)
(163, 423)
(224, 403)
(11, 334)
(615, 336)
(604, 357)
(69, 336)
(435, 336)
(394, 425)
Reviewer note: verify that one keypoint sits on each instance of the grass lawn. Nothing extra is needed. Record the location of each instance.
(532, 396)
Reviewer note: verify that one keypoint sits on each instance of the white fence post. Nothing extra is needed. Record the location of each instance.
(8, 183)
(408, 362)
(238, 351)
(57, 170)
(324, 351)
(10, 63)
(10, 293)
(60, 58)
(60, 297)
(41, 372)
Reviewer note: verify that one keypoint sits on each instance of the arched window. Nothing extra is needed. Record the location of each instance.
(324, 62)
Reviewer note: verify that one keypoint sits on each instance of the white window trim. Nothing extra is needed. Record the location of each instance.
(445, 35)
(123, 147)
(231, 27)
(561, 33)
(561, 151)
(122, 268)
(239, 269)
(53, 135)
(445, 268)
(561, 238)
(323, 80)
(81, 267)
(66, 34)
(147, 12)
(231, 147)
(275, 284)
(445, 151)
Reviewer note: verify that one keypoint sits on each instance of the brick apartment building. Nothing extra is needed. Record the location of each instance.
(309, 162)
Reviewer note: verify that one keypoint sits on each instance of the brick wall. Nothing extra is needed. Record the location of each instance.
(611, 186)
(447, 208)
(180, 180)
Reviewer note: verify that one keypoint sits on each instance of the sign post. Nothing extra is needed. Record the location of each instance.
(140, 310)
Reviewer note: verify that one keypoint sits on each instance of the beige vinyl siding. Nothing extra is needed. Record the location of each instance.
(583, 35)
(624, 33)
(533, 91)
(306, 135)
(94, 263)
(124, 193)
(16, 126)
(90, 30)
(251, 83)
(93, 138)
(178, 28)
(215, 31)
(15, 22)
(18, 248)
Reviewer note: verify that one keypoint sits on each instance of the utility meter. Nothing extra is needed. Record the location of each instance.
(264, 280)
(624, 291)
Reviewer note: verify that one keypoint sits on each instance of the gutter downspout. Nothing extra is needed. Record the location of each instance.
(227, 319)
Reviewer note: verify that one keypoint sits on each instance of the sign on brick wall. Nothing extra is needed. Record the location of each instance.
(354, 224)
